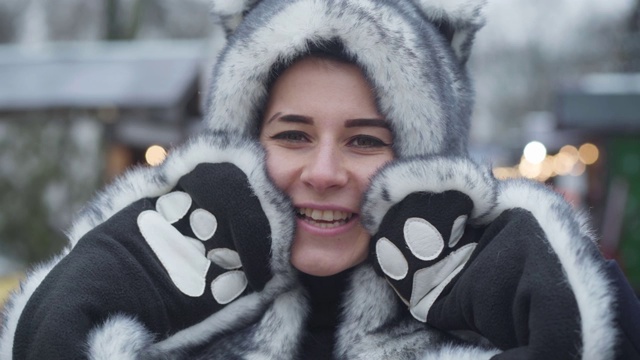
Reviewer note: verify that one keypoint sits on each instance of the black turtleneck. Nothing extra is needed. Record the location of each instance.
(325, 295)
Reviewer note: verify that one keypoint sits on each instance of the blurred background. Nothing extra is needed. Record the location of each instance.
(90, 88)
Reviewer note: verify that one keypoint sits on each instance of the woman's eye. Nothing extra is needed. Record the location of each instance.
(290, 136)
(366, 141)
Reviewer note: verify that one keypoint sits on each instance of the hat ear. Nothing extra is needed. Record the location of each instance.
(457, 20)
(231, 12)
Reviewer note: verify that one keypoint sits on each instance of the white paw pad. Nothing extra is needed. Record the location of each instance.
(173, 206)
(225, 258)
(391, 260)
(184, 257)
(423, 239)
(203, 224)
(228, 286)
(425, 243)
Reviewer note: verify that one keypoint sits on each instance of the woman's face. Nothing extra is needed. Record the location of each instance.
(324, 139)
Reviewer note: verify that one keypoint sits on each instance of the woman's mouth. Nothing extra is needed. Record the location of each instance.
(324, 219)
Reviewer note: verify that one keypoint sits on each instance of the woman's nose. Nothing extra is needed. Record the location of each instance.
(325, 169)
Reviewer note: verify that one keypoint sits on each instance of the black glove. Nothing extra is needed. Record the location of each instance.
(170, 269)
(211, 234)
(532, 283)
(536, 286)
(421, 246)
(418, 210)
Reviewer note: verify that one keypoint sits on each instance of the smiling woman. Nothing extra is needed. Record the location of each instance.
(324, 139)
(329, 210)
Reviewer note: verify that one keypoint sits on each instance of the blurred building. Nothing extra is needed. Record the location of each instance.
(73, 116)
(141, 93)
(605, 108)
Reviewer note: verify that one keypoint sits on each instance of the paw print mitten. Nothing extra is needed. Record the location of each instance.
(183, 253)
(418, 211)
(421, 246)
(204, 232)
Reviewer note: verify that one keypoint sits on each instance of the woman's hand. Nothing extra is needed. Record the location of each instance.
(190, 254)
(525, 275)
(422, 245)
(211, 234)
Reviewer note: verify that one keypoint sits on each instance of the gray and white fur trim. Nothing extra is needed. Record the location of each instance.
(143, 182)
(207, 147)
(230, 12)
(119, 337)
(424, 92)
(433, 174)
(571, 240)
(463, 17)
(374, 326)
(460, 353)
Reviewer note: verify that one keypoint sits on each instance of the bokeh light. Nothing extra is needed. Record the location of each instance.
(588, 153)
(535, 152)
(155, 155)
(528, 169)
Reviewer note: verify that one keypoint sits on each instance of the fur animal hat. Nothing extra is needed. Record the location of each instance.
(412, 52)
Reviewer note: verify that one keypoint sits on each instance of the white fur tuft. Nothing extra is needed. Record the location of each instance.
(459, 353)
(428, 174)
(120, 337)
(239, 313)
(278, 332)
(209, 147)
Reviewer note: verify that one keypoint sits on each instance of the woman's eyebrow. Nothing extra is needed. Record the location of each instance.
(366, 122)
(292, 118)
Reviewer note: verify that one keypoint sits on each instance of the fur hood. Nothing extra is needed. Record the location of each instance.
(412, 52)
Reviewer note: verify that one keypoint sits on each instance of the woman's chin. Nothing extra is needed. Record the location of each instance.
(315, 270)
(323, 263)
(324, 254)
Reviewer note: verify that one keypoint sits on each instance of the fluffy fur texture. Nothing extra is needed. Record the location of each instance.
(570, 239)
(463, 17)
(421, 85)
(430, 174)
(120, 337)
(209, 147)
(460, 353)
(145, 182)
(413, 54)
(238, 314)
(372, 328)
(566, 230)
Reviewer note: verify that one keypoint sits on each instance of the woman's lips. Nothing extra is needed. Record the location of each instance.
(325, 222)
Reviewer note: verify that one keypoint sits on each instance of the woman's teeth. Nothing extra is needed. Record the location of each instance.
(324, 218)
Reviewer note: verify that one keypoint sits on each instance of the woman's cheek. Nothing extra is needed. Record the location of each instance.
(279, 167)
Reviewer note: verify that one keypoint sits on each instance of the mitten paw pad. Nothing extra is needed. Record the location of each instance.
(391, 260)
(228, 286)
(432, 262)
(184, 257)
